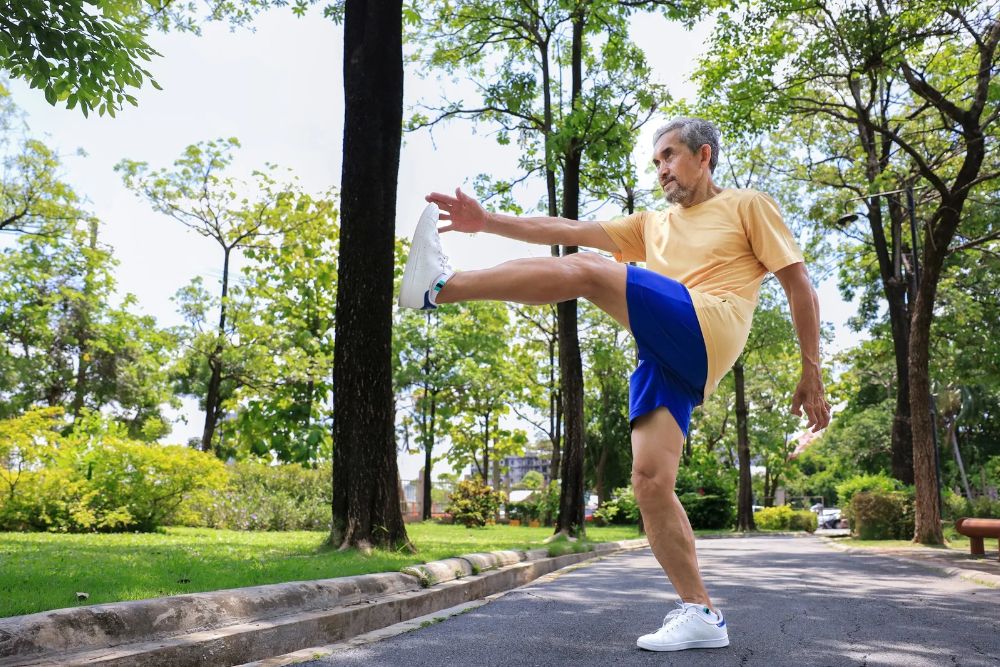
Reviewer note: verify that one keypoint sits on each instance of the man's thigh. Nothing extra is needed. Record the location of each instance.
(657, 441)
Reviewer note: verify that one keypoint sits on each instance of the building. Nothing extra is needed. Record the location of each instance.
(516, 467)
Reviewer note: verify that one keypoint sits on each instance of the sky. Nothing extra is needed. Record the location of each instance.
(279, 91)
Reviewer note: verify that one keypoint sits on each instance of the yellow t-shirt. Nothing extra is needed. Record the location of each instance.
(720, 249)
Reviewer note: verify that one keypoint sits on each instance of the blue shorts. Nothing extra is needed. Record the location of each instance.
(673, 364)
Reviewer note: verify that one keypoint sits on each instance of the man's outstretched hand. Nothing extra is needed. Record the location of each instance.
(462, 211)
(809, 396)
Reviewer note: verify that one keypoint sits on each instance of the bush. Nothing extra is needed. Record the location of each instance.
(955, 505)
(707, 492)
(264, 497)
(985, 508)
(882, 516)
(621, 508)
(95, 479)
(880, 483)
(784, 517)
(473, 503)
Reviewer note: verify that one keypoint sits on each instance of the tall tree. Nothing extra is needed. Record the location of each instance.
(942, 113)
(285, 326)
(233, 215)
(366, 502)
(594, 118)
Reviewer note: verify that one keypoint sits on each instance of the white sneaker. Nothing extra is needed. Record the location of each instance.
(427, 267)
(689, 626)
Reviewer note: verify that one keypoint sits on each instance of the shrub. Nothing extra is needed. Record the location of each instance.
(881, 483)
(707, 492)
(985, 508)
(774, 518)
(955, 505)
(96, 479)
(784, 517)
(473, 503)
(264, 497)
(882, 516)
(621, 508)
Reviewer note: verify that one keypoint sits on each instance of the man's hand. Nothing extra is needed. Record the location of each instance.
(809, 395)
(464, 212)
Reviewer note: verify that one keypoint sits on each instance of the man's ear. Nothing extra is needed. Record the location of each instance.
(706, 154)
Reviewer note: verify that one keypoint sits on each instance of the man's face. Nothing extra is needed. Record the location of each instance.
(677, 168)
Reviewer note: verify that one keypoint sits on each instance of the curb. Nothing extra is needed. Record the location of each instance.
(974, 576)
(242, 625)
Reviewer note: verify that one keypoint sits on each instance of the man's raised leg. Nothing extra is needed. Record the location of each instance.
(546, 280)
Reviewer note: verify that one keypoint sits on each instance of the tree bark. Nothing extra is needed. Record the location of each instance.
(366, 497)
(744, 505)
(571, 512)
(213, 395)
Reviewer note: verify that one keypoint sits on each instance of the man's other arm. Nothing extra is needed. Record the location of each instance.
(804, 304)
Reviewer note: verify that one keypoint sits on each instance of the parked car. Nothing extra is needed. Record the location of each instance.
(828, 517)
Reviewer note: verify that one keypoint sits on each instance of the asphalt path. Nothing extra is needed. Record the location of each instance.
(788, 602)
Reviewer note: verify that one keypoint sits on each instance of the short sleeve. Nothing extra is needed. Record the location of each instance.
(629, 235)
(770, 239)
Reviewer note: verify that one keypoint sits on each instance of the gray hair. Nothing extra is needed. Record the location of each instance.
(695, 133)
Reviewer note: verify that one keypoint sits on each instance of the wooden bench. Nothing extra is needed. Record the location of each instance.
(976, 530)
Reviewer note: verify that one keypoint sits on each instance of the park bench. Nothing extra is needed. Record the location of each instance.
(976, 530)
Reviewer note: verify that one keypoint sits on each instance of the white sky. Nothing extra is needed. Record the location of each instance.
(279, 90)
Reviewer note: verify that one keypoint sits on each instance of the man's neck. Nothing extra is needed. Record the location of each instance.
(702, 192)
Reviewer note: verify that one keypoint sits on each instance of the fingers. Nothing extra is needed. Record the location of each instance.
(441, 199)
(797, 406)
(446, 228)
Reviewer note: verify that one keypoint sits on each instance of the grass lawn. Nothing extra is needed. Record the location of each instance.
(954, 540)
(42, 571)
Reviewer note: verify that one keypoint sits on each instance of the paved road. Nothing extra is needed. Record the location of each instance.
(788, 602)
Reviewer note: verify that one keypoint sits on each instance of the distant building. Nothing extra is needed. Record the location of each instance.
(519, 466)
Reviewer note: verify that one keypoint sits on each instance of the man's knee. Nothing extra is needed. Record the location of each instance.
(592, 271)
(652, 481)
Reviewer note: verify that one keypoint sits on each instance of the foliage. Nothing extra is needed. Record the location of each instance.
(81, 52)
(473, 503)
(96, 479)
(957, 506)
(880, 515)
(228, 343)
(263, 497)
(880, 483)
(621, 508)
(707, 491)
(784, 517)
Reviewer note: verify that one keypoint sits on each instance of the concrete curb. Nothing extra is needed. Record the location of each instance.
(975, 576)
(241, 625)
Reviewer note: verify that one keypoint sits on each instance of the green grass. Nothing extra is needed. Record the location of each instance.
(955, 541)
(42, 571)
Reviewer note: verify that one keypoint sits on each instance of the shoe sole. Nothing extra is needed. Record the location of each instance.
(680, 646)
(410, 294)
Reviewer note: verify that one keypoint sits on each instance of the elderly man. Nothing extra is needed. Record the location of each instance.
(689, 311)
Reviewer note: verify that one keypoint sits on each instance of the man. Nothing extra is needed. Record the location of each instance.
(689, 312)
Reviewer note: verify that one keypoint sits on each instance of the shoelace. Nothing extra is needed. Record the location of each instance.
(674, 615)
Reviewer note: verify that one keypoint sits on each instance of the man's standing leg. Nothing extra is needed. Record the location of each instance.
(656, 452)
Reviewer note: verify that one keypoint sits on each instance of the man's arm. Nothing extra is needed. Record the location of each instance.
(804, 304)
(465, 214)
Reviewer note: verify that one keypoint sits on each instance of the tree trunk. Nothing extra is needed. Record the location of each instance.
(366, 498)
(213, 396)
(953, 434)
(429, 460)
(744, 505)
(555, 402)
(83, 332)
(571, 513)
